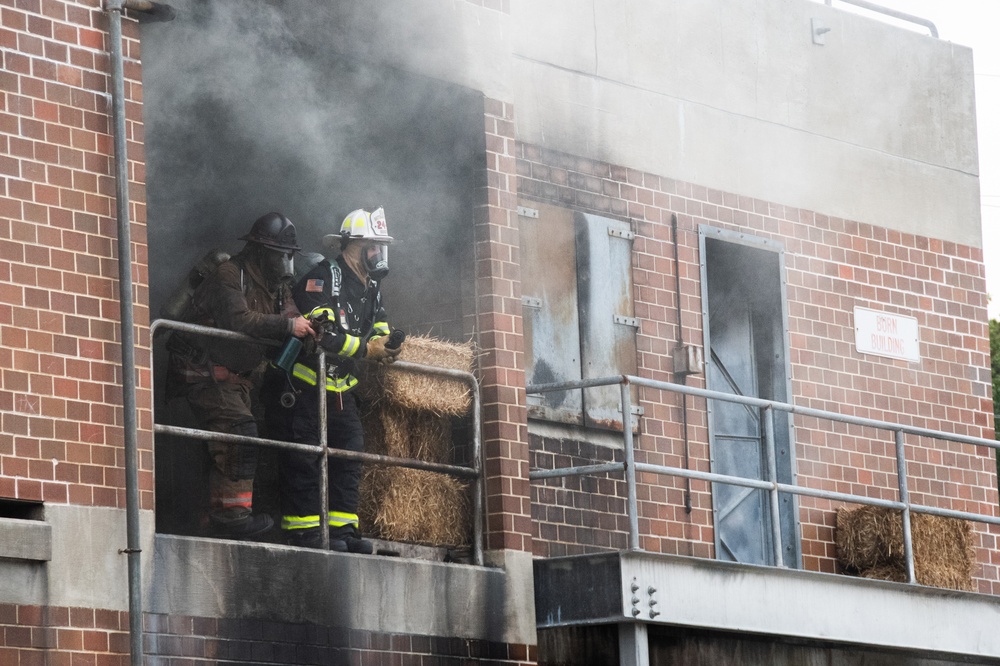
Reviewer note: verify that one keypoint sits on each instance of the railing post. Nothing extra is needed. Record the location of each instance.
(904, 498)
(324, 463)
(767, 416)
(479, 486)
(633, 505)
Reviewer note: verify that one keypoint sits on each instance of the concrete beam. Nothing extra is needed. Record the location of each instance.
(784, 604)
(25, 539)
(215, 578)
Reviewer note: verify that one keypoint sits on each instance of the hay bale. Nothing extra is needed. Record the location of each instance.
(870, 543)
(944, 555)
(444, 396)
(894, 574)
(415, 506)
(408, 415)
(429, 434)
(400, 433)
(868, 537)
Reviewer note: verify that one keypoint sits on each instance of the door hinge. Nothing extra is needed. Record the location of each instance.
(621, 233)
(627, 321)
(531, 302)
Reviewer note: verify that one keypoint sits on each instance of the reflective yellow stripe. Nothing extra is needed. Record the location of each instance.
(299, 522)
(381, 328)
(351, 345)
(317, 312)
(336, 384)
(338, 519)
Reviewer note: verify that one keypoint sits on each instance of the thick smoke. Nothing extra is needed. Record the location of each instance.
(252, 106)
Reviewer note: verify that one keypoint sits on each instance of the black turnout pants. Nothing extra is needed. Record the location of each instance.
(300, 472)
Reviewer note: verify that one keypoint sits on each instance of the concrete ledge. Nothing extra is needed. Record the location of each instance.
(781, 603)
(215, 578)
(25, 539)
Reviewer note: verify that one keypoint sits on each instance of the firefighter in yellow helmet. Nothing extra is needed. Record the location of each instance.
(344, 299)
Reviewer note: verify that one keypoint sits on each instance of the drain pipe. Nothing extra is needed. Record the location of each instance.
(133, 549)
(683, 376)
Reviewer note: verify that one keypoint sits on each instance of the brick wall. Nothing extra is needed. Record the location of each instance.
(499, 340)
(59, 636)
(60, 395)
(196, 641)
(831, 266)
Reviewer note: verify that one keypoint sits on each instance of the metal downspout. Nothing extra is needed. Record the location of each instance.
(680, 345)
(114, 10)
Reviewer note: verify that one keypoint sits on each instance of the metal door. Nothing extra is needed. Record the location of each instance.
(746, 339)
(607, 322)
(579, 323)
(550, 310)
(742, 520)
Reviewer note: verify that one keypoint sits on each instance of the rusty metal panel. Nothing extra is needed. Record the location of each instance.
(607, 316)
(550, 310)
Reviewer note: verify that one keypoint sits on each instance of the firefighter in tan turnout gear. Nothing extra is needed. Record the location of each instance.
(343, 299)
(248, 294)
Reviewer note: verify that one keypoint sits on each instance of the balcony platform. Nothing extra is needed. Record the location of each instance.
(780, 604)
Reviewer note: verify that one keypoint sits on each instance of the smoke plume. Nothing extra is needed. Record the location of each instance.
(253, 106)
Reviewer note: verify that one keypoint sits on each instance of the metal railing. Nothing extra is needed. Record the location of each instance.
(323, 450)
(767, 408)
(896, 14)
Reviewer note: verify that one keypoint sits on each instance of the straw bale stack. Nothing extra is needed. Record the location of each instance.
(870, 544)
(409, 415)
(415, 506)
(393, 431)
(420, 391)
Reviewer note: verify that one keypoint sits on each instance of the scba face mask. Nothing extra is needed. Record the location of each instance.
(279, 265)
(376, 260)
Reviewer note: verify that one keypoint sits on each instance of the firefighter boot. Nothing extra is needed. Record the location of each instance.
(347, 539)
(246, 526)
(310, 537)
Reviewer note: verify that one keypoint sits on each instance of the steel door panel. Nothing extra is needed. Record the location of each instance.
(746, 342)
(551, 321)
(604, 283)
(741, 513)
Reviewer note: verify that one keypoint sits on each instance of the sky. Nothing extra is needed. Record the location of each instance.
(971, 23)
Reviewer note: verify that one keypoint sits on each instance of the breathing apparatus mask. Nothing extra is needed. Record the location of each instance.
(273, 242)
(279, 265)
(375, 257)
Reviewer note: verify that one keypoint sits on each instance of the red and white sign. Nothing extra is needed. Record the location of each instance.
(886, 334)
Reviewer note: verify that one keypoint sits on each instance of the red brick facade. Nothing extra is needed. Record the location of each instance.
(60, 394)
(501, 360)
(831, 265)
(57, 636)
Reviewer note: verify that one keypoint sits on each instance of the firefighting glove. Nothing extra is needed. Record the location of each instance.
(377, 351)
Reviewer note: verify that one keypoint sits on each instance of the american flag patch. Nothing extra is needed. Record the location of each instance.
(314, 285)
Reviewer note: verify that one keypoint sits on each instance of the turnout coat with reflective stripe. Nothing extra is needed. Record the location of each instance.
(354, 312)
